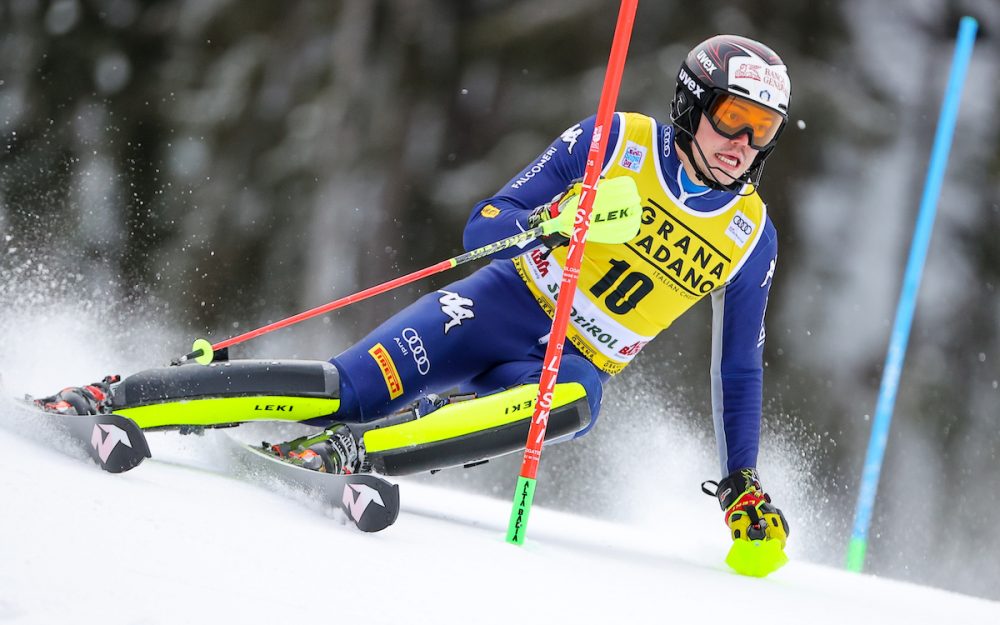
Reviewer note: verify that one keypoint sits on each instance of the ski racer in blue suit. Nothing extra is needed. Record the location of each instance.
(702, 229)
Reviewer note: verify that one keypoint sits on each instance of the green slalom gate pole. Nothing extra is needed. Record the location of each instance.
(525, 490)
(908, 297)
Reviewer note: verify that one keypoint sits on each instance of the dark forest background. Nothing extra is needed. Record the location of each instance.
(223, 164)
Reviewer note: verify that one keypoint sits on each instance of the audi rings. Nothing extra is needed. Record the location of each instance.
(417, 350)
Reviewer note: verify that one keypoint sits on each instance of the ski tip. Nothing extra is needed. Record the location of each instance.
(756, 558)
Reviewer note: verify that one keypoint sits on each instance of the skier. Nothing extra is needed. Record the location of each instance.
(676, 217)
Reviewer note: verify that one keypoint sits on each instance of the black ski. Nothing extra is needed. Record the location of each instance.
(369, 501)
(115, 442)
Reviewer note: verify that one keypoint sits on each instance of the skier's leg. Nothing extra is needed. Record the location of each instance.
(481, 332)
(482, 323)
(433, 345)
(440, 342)
(466, 432)
(226, 393)
(573, 368)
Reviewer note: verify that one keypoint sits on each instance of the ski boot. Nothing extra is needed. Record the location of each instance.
(80, 400)
(336, 450)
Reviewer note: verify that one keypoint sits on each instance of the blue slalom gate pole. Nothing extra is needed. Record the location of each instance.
(908, 297)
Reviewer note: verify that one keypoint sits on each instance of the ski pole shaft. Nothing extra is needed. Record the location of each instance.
(525, 490)
(444, 265)
(906, 307)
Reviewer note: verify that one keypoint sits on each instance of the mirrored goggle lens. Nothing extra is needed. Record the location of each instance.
(732, 116)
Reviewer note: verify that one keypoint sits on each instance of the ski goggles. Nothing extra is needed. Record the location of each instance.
(732, 116)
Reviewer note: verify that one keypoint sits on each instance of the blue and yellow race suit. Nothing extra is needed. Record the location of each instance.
(489, 330)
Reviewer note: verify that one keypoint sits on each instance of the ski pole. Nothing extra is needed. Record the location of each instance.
(858, 544)
(525, 491)
(202, 351)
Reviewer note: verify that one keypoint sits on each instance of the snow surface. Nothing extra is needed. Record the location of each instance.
(180, 539)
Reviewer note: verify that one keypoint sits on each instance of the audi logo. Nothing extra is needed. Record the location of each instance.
(742, 224)
(416, 345)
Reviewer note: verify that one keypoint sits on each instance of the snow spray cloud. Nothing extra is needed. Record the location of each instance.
(673, 450)
(64, 322)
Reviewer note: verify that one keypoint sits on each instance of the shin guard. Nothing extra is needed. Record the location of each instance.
(471, 431)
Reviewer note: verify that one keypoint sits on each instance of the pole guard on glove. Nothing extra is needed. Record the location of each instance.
(615, 217)
(759, 529)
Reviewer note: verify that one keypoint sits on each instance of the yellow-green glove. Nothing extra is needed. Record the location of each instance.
(615, 217)
(758, 529)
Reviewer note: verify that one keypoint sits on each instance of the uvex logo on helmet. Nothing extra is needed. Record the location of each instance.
(706, 62)
(692, 85)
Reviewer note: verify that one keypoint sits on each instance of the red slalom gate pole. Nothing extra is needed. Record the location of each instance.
(525, 491)
(203, 351)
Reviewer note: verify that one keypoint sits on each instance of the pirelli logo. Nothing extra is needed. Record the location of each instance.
(388, 368)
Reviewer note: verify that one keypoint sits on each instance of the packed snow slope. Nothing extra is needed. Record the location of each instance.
(181, 539)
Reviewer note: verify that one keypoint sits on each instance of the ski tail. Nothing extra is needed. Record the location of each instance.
(114, 442)
(370, 502)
